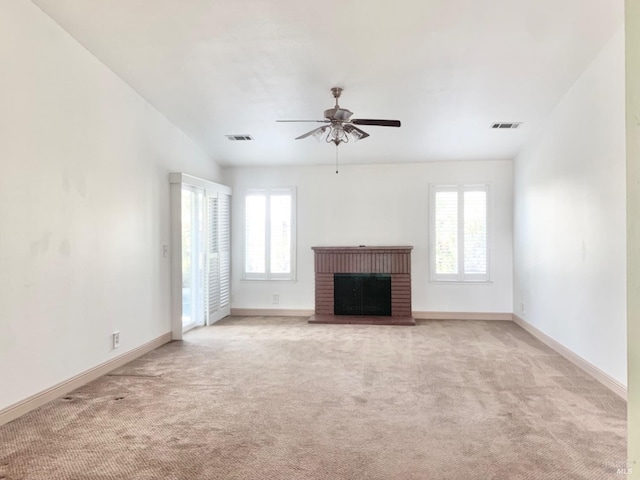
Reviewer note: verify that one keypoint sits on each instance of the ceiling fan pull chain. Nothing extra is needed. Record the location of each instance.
(336, 158)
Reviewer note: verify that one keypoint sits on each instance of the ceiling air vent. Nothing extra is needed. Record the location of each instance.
(506, 125)
(239, 138)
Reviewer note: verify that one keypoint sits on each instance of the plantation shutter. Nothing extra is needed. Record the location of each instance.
(213, 260)
(224, 241)
(280, 222)
(269, 234)
(218, 256)
(475, 232)
(446, 233)
(255, 238)
(459, 230)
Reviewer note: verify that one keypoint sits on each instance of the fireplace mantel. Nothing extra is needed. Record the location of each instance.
(392, 260)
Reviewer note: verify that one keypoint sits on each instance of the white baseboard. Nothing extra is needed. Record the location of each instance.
(273, 312)
(593, 371)
(270, 312)
(462, 316)
(31, 403)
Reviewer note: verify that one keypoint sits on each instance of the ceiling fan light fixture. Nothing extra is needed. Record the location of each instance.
(320, 133)
(354, 133)
(355, 136)
(337, 135)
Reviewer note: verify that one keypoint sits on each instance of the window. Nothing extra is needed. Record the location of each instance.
(269, 234)
(459, 233)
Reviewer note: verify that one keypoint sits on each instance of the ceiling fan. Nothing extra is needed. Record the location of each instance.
(340, 127)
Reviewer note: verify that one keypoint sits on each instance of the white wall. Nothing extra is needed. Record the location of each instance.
(84, 203)
(375, 205)
(569, 227)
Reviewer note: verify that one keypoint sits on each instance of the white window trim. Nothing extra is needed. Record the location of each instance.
(267, 276)
(460, 277)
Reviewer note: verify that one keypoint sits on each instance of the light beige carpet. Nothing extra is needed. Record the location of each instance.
(277, 398)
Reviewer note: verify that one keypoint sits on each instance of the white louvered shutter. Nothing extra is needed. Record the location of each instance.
(446, 233)
(213, 260)
(475, 232)
(224, 241)
(460, 232)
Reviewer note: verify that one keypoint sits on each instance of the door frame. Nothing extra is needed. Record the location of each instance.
(177, 180)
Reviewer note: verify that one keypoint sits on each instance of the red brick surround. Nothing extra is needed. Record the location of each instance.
(395, 261)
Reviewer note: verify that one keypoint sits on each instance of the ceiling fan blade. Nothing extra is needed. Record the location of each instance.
(379, 123)
(318, 130)
(303, 121)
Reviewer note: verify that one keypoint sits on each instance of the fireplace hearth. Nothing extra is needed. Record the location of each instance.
(370, 285)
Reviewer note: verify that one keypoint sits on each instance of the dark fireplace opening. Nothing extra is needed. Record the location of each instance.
(362, 294)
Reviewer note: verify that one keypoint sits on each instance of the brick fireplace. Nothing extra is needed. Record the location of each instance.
(363, 262)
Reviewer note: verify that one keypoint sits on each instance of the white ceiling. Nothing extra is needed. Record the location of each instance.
(446, 68)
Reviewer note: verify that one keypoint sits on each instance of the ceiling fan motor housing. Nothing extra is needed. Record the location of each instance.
(340, 114)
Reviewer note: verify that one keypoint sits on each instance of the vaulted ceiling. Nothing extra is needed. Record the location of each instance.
(447, 69)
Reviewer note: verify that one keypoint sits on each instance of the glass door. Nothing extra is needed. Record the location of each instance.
(193, 257)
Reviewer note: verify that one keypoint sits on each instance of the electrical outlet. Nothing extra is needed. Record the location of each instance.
(165, 251)
(276, 298)
(522, 307)
(116, 340)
